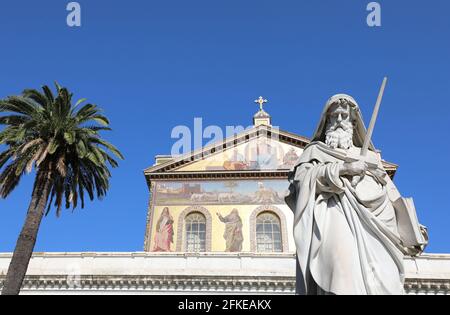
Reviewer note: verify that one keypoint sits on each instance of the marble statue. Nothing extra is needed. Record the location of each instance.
(351, 226)
(233, 231)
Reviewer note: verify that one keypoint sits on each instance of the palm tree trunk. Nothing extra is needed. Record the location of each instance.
(27, 238)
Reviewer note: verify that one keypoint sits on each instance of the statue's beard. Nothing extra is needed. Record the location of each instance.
(340, 136)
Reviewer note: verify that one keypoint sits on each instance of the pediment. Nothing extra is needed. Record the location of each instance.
(260, 149)
(257, 149)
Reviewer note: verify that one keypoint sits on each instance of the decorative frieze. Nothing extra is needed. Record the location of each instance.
(191, 285)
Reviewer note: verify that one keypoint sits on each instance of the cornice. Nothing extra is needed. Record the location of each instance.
(210, 284)
(435, 285)
(158, 283)
(218, 175)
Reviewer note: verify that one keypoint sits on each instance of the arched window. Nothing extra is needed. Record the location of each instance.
(268, 233)
(195, 227)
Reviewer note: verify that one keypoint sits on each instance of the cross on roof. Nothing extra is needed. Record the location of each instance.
(261, 101)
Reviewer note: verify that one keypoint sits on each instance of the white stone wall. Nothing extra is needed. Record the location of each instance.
(205, 273)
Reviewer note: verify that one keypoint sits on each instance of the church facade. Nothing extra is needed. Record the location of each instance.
(217, 222)
(227, 197)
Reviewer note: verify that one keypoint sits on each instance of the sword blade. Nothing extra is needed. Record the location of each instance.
(368, 139)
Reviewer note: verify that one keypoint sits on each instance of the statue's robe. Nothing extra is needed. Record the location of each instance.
(233, 232)
(347, 237)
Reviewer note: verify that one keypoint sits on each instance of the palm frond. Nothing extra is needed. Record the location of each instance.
(45, 130)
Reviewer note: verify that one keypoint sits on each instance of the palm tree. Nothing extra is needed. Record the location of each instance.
(63, 144)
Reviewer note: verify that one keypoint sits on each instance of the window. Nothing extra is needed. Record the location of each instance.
(268, 233)
(195, 240)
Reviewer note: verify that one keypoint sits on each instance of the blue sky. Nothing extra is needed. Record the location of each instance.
(153, 65)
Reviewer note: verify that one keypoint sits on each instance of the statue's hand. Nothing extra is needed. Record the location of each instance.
(358, 168)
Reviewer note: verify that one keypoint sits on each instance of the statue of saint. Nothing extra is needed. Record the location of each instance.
(233, 231)
(164, 232)
(351, 226)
